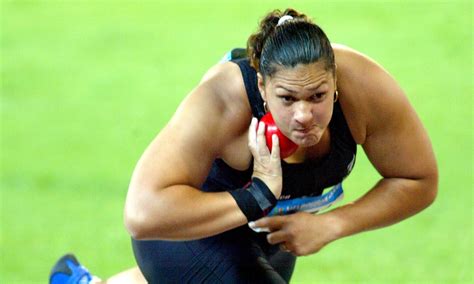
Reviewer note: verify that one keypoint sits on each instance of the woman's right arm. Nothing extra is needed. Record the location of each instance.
(164, 200)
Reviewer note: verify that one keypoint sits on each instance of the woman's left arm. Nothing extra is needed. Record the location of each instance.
(397, 145)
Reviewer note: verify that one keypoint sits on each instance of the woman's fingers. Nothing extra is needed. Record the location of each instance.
(266, 166)
(275, 149)
(277, 237)
(256, 139)
(261, 141)
(252, 143)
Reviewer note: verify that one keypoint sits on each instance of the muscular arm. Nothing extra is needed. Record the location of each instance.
(164, 200)
(397, 145)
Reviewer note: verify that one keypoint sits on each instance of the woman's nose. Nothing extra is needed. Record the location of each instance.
(303, 113)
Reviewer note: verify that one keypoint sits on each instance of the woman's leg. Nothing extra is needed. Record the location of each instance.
(131, 276)
(226, 258)
(277, 269)
(197, 261)
(284, 263)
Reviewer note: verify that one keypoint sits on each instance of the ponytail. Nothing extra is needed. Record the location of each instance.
(297, 40)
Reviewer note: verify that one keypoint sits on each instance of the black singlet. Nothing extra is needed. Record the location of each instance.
(241, 255)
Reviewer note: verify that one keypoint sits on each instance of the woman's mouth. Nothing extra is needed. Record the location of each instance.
(305, 130)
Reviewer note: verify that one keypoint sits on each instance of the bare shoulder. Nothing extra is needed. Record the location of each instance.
(218, 100)
(382, 118)
(366, 91)
(228, 89)
(225, 84)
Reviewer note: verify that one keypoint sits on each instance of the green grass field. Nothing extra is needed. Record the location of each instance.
(86, 85)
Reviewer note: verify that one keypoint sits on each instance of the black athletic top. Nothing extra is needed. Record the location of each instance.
(242, 255)
(309, 178)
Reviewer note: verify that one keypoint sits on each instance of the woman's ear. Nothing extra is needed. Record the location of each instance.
(261, 86)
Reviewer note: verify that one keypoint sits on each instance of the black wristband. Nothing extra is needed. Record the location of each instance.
(255, 200)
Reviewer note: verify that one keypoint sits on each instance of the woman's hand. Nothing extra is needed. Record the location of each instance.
(266, 165)
(300, 233)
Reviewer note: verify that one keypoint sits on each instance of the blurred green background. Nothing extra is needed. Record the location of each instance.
(86, 85)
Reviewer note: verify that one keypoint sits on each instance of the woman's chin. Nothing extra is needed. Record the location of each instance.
(305, 141)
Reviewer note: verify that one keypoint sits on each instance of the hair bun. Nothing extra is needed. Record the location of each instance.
(284, 19)
(266, 27)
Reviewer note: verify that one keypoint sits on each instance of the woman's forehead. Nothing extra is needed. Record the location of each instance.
(302, 74)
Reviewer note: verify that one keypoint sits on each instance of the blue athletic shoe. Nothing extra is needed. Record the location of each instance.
(68, 270)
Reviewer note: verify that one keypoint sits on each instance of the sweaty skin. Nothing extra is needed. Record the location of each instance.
(164, 200)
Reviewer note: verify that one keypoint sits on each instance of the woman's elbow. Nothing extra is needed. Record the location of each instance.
(140, 227)
(140, 220)
(135, 225)
(434, 191)
(431, 188)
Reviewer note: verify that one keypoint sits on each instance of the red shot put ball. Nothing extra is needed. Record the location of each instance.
(287, 147)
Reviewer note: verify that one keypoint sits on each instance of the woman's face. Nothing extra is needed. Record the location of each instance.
(301, 101)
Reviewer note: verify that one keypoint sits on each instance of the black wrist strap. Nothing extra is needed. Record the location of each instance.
(255, 200)
(262, 194)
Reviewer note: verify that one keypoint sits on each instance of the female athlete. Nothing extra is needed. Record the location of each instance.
(209, 172)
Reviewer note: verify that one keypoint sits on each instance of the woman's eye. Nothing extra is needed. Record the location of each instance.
(318, 97)
(287, 99)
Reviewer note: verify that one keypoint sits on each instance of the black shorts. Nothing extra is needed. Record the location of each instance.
(237, 256)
